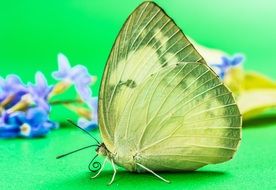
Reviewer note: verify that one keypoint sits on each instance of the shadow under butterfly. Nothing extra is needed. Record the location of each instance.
(161, 107)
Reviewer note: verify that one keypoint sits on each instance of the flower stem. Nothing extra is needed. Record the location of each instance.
(72, 101)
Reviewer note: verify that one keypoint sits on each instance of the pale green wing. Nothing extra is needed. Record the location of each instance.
(180, 118)
(148, 41)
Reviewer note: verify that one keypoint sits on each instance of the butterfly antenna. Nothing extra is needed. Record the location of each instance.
(63, 155)
(73, 123)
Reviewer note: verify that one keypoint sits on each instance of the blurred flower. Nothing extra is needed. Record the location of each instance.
(11, 91)
(32, 123)
(8, 126)
(77, 75)
(24, 109)
(91, 122)
(36, 123)
(218, 59)
(40, 91)
(226, 63)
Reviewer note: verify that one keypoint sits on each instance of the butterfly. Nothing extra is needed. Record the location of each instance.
(161, 107)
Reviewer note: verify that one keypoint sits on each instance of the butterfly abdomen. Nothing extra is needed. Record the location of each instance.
(126, 158)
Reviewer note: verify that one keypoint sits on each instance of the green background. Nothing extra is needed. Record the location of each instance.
(33, 32)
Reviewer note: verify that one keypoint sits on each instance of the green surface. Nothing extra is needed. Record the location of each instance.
(33, 32)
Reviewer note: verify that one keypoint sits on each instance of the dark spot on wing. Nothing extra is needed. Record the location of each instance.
(129, 83)
(164, 63)
(156, 44)
(183, 85)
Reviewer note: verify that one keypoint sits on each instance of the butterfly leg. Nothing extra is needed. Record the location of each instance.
(149, 170)
(101, 169)
(114, 174)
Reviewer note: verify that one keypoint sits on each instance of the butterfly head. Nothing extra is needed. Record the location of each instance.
(102, 150)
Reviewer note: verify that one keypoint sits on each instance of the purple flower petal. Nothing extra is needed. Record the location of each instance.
(84, 92)
(50, 125)
(63, 67)
(237, 59)
(63, 62)
(36, 116)
(226, 63)
(32, 123)
(40, 91)
(87, 125)
(12, 87)
(77, 75)
(93, 103)
(77, 72)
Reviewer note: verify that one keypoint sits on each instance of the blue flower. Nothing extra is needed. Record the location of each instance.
(8, 125)
(36, 123)
(40, 91)
(77, 75)
(11, 90)
(32, 123)
(92, 123)
(227, 63)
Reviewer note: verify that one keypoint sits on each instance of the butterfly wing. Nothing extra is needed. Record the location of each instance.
(181, 118)
(148, 42)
